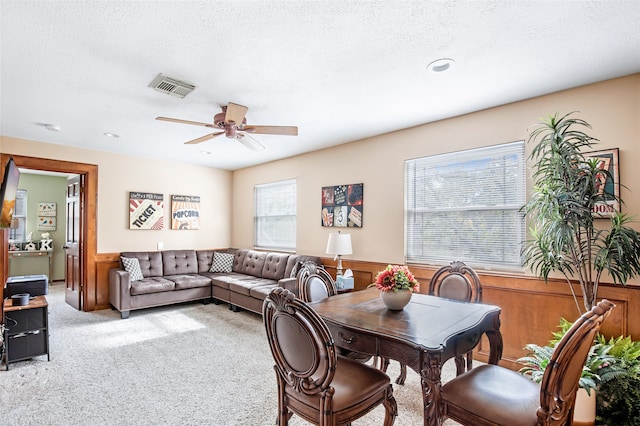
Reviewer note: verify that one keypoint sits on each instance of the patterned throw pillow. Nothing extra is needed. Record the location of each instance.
(132, 266)
(222, 262)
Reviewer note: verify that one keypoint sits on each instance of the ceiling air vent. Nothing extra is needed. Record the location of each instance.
(172, 86)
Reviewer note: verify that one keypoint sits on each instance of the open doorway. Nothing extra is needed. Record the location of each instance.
(80, 284)
(37, 235)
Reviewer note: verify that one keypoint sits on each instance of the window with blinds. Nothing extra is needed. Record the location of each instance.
(275, 216)
(465, 206)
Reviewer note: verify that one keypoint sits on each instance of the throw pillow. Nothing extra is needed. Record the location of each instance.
(222, 262)
(132, 266)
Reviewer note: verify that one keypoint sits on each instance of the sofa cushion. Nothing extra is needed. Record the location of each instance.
(150, 262)
(238, 261)
(132, 266)
(151, 285)
(253, 263)
(205, 259)
(178, 262)
(223, 280)
(246, 285)
(222, 262)
(294, 260)
(274, 266)
(189, 281)
(261, 291)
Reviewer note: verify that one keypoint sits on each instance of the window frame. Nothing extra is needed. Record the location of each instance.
(19, 233)
(495, 230)
(263, 239)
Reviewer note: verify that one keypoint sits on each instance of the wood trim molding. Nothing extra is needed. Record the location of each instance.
(89, 243)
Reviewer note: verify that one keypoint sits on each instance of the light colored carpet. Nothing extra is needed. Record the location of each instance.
(188, 364)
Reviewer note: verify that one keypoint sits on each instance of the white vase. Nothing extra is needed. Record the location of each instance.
(584, 411)
(396, 300)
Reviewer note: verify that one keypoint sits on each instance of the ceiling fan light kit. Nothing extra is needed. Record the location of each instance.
(232, 122)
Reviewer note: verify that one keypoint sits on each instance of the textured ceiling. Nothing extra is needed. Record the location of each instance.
(339, 70)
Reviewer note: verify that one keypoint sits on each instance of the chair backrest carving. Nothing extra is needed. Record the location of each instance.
(456, 281)
(300, 342)
(561, 377)
(315, 283)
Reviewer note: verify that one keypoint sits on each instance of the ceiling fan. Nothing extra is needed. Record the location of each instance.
(233, 124)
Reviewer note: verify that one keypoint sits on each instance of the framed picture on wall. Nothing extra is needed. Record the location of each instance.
(185, 212)
(342, 205)
(146, 210)
(46, 223)
(608, 183)
(46, 209)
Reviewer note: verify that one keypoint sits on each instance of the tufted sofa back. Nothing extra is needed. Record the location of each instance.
(175, 262)
(249, 262)
(150, 262)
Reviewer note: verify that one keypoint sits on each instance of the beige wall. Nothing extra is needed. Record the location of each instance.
(611, 107)
(118, 174)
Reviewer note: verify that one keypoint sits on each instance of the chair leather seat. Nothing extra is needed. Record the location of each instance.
(497, 394)
(351, 382)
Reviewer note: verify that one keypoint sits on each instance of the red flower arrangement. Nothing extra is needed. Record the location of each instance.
(396, 277)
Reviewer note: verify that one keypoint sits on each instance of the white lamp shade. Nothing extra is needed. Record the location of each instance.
(339, 244)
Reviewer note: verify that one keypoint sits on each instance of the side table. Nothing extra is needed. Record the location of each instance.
(26, 333)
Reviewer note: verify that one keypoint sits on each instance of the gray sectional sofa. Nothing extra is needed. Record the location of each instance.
(171, 276)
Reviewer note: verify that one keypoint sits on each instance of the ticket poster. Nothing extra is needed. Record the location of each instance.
(146, 210)
(185, 212)
(342, 205)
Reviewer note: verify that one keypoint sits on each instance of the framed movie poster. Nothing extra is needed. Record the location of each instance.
(608, 183)
(185, 212)
(342, 205)
(146, 210)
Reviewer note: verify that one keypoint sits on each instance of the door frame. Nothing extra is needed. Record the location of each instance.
(88, 243)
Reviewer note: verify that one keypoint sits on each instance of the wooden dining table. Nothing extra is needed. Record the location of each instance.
(424, 335)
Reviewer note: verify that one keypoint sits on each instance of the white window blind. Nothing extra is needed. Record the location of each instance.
(275, 215)
(465, 206)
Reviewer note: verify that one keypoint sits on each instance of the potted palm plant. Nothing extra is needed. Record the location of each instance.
(564, 235)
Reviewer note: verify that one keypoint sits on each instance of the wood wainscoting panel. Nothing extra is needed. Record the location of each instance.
(104, 262)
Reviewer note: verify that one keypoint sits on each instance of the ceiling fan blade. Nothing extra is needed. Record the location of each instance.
(204, 138)
(235, 113)
(177, 120)
(249, 142)
(272, 130)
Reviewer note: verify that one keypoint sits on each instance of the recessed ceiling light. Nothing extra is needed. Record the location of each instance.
(441, 65)
(111, 135)
(52, 127)
(205, 152)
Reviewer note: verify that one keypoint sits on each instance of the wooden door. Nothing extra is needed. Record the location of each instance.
(73, 244)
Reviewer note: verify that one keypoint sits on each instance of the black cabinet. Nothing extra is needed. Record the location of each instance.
(26, 332)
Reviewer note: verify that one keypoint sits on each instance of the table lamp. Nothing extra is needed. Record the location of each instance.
(339, 245)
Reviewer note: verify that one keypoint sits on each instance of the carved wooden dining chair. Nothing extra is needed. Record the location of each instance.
(494, 395)
(315, 283)
(313, 381)
(455, 281)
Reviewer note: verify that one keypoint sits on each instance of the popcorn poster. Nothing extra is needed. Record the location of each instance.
(185, 212)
